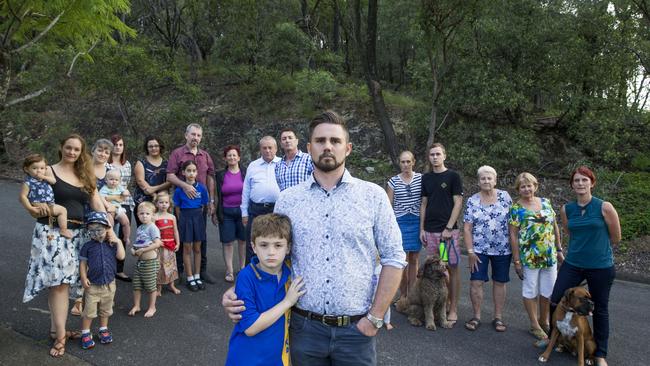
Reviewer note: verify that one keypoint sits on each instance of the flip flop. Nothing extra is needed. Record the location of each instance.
(498, 325)
(229, 277)
(473, 324)
(537, 333)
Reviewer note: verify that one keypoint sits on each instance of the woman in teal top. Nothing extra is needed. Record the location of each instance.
(593, 228)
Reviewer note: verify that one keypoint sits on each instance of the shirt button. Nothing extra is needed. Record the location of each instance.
(327, 259)
(328, 281)
(327, 302)
(327, 215)
(328, 195)
(327, 236)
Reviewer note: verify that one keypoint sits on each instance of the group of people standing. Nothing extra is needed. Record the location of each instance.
(341, 228)
(498, 232)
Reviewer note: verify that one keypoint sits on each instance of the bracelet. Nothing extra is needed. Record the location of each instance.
(470, 251)
(449, 228)
(211, 201)
(517, 262)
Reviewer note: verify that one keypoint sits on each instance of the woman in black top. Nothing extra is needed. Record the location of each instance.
(54, 262)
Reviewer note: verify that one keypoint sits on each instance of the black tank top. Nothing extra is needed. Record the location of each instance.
(74, 199)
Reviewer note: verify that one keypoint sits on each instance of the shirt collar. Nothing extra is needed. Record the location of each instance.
(299, 154)
(186, 150)
(275, 160)
(263, 276)
(346, 178)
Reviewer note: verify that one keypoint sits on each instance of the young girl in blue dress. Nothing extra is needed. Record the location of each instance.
(191, 225)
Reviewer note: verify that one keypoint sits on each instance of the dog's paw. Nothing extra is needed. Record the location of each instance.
(559, 349)
(431, 326)
(415, 322)
(541, 358)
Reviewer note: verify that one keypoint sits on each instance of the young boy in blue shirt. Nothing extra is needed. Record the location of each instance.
(261, 336)
(97, 269)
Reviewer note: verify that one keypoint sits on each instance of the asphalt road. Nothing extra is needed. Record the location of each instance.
(192, 329)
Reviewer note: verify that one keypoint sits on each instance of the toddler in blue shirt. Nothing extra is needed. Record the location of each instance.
(261, 337)
(37, 195)
(97, 269)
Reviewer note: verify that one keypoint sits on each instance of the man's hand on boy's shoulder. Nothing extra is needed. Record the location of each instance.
(231, 305)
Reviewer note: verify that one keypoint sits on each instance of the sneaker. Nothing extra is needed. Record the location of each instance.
(200, 284)
(105, 337)
(192, 286)
(87, 341)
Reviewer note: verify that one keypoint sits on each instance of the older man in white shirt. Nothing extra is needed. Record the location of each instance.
(261, 189)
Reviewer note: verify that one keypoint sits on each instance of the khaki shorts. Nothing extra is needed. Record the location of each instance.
(98, 299)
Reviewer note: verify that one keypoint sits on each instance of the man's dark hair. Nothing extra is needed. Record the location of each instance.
(331, 117)
(288, 130)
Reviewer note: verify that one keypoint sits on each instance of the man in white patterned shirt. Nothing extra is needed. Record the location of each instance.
(340, 224)
(295, 166)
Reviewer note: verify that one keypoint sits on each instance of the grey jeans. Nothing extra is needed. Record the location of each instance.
(316, 344)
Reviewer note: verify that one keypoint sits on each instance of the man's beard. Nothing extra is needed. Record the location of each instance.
(332, 164)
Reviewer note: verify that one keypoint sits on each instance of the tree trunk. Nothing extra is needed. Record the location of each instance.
(368, 59)
(336, 27)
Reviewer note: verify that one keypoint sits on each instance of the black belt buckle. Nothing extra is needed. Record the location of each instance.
(337, 321)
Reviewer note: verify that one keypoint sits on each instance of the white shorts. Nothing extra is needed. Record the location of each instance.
(538, 281)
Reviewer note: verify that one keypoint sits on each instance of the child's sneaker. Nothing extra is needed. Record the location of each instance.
(105, 336)
(87, 341)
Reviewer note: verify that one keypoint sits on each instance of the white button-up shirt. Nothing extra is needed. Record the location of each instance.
(260, 185)
(337, 238)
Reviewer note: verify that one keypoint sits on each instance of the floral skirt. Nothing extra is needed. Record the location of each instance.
(54, 261)
(168, 272)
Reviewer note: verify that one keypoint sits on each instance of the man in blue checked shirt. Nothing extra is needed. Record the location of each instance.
(341, 225)
(295, 166)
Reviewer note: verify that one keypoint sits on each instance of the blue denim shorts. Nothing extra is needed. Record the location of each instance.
(500, 268)
(231, 228)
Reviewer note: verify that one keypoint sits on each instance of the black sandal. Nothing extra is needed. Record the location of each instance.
(473, 324)
(499, 325)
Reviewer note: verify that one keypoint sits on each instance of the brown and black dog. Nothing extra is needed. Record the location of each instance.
(427, 298)
(572, 328)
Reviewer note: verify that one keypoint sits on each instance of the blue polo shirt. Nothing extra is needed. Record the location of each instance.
(182, 201)
(260, 291)
(101, 261)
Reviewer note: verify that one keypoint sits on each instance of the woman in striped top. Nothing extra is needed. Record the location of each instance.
(404, 194)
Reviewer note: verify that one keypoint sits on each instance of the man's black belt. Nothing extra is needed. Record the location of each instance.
(331, 320)
(263, 204)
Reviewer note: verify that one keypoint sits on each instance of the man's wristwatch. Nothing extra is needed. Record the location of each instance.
(376, 322)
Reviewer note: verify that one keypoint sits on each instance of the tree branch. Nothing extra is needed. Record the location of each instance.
(39, 36)
(74, 60)
(27, 97)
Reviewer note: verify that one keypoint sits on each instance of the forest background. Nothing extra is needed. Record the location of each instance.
(522, 85)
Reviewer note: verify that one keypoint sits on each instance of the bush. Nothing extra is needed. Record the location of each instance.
(629, 193)
(506, 148)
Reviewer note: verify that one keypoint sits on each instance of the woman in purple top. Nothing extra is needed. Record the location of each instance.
(230, 183)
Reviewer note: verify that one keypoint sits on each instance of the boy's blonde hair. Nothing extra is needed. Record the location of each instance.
(148, 205)
(271, 225)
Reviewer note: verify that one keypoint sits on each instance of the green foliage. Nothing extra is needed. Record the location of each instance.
(629, 193)
(289, 48)
(506, 148)
(614, 139)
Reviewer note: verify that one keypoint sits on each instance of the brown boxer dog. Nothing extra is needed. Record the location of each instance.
(572, 326)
